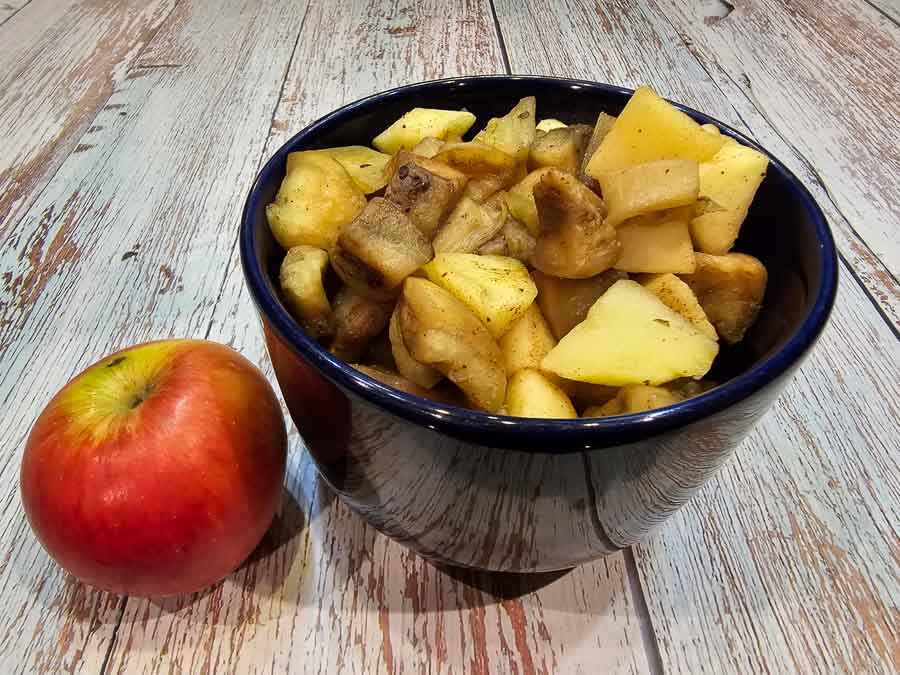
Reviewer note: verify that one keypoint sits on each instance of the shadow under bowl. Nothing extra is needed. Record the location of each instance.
(521, 495)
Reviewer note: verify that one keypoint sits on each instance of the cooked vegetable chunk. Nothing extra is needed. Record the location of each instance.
(730, 179)
(379, 249)
(532, 394)
(678, 296)
(422, 375)
(657, 243)
(549, 124)
(635, 398)
(469, 226)
(650, 128)
(391, 379)
(514, 132)
(425, 190)
(565, 302)
(520, 200)
(574, 241)
(497, 289)
(357, 321)
(630, 337)
(420, 123)
(364, 165)
(442, 332)
(520, 244)
(646, 188)
(527, 341)
(488, 168)
(730, 289)
(428, 147)
(316, 198)
(602, 126)
(301, 282)
(561, 148)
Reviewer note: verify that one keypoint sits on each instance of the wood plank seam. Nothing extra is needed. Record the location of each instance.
(115, 634)
(500, 41)
(259, 163)
(806, 163)
(648, 632)
(14, 12)
(887, 15)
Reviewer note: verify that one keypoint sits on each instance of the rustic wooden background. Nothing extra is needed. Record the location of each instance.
(131, 131)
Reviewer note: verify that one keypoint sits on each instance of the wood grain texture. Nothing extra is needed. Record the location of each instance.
(9, 8)
(327, 593)
(889, 8)
(698, 54)
(131, 239)
(788, 560)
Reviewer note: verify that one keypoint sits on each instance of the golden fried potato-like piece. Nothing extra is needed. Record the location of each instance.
(488, 168)
(514, 132)
(565, 302)
(647, 188)
(422, 375)
(440, 331)
(561, 148)
(532, 394)
(301, 282)
(635, 398)
(469, 226)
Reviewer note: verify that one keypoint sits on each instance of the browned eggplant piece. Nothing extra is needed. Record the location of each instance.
(574, 241)
(565, 302)
(425, 190)
(357, 321)
(378, 250)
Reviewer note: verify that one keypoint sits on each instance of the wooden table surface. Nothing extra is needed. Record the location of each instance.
(131, 132)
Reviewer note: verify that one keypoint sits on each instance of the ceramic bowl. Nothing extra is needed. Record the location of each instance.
(522, 495)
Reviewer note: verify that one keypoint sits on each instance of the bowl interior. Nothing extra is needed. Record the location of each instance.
(785, 229)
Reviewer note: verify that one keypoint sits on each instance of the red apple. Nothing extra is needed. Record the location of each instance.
(157, 470)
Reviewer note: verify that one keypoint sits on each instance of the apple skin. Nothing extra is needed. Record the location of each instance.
(157, 470)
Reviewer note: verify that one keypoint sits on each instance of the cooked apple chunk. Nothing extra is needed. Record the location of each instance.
(647, 188)
(441, 332)
(422, 375)
(378, 250)
(301, 282)
(565, 302)
(532, 394)
(574, 241)
(635, 398)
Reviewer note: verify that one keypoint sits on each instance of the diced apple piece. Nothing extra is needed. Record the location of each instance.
(678, 296)
(650, 128)
(425, 190)
(365, 165)
(514, 132)
(730, 288)
(527, 341)
(420, 123)
(561, 148)
(520, 243)
(549, 124)
(531, 394)
(469, 226)
(488, 168)
(420, 374)
(635, 398)
(316, 198)
(646, 188)
(378, 250)
(520, 200)
(301, 282)
(497, 289)
(630, 337)
(357, 321)
(428, 147)
(442, 332)
(565, 302)
(658, 243)
(601, 129)
(574, 241)
(730, 179)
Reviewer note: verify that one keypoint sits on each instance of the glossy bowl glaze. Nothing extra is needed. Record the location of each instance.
(522, 495)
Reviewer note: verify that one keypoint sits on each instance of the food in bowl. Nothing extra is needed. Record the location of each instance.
(540, 269)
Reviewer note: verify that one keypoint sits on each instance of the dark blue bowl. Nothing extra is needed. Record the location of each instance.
(521, 495)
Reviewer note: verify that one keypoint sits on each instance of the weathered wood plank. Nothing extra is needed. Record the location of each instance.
(130, 240)
(9, 8)
(788, 560)
(889, 8)
(630, 44)
(332, 595)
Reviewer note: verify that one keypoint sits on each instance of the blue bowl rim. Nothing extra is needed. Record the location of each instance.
(534, 433)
